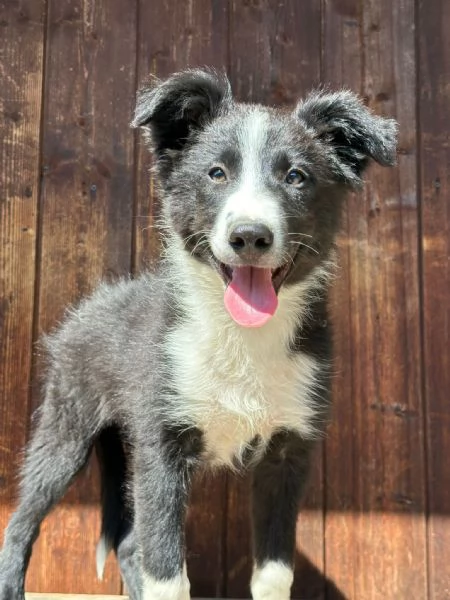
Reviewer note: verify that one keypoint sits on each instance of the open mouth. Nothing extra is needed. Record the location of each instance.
(251, 292)
(278, 275)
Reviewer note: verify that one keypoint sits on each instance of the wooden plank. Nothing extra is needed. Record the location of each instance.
(188, 34)
(86, 209)
(434, 111)
(49, 596)
(21, 59)
(80, 597)
(375, 527)
(275, 59)
(341, 66)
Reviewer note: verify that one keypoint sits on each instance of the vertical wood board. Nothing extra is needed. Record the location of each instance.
(434, 113)
(86, 202)
(378, 413)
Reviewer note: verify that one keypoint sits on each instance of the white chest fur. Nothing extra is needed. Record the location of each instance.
(235, 383)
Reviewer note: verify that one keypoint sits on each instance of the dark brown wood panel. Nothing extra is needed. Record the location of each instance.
(434, 112)
(375, 461)
(193, 33)
(275, 59)
(21, 60)
(188, 34)
(391, 385)
(341, 66)
(86, 208)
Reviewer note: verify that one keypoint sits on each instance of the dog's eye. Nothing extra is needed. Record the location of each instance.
(295, 177)
(217, 175)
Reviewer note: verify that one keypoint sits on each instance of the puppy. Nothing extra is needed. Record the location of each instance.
(222, 357)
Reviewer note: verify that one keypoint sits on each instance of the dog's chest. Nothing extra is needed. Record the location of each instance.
(236, 385)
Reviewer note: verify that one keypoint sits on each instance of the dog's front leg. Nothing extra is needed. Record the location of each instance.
(278, 483)
(163, 467)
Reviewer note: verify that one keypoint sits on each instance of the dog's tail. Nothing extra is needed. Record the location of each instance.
(112, 460)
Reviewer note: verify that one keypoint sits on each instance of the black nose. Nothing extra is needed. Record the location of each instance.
(251, 237)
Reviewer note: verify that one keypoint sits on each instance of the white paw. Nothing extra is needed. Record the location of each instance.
(272, 581)
(166, 589)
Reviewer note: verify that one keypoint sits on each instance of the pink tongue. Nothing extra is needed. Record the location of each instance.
(250, 298)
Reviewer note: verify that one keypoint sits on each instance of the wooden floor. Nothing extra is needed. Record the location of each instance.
(77, 204)
(31, 596)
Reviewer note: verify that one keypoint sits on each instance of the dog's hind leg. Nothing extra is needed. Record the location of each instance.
(117, 521)
(57, 451)
(130, 562)
(128, 557)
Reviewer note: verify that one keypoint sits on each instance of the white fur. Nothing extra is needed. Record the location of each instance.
(251, 202)
(272, 581)
(101, 554)
(236, 383)
(166, 589)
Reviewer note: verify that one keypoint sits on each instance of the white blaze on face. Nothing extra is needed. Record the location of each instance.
(272, 581)
(252, 201)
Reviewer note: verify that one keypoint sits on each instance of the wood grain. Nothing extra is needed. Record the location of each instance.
(193, 33)
(86, 204)
(375, 529)
(77, 212)
(21, 60)
(341, 66)
(78, 597)
(434, 112)
(49, 596)
(275, 59)
(41, 596)
(189, 34)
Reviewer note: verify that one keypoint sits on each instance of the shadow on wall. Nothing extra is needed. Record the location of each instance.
(311, 584)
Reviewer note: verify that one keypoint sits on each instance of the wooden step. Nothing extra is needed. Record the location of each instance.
(34, 596)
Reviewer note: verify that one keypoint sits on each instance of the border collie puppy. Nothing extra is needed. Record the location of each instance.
(222, 357)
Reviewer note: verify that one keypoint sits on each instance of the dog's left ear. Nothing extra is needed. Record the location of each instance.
(355, 134)
(171, 110)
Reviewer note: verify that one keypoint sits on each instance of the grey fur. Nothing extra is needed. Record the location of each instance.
(108, 365)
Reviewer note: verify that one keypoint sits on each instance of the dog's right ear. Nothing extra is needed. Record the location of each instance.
(173, 109)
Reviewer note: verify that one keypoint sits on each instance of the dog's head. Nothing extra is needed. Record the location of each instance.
(255, 191)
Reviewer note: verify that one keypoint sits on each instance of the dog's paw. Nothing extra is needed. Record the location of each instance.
(11, 579)
(272, 581)
(166, 589)
(9, 591)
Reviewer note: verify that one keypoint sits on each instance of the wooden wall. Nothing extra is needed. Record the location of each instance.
(76, 204)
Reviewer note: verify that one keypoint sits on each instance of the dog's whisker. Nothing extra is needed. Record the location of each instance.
(141, 229)
(288, 258)
(305, 245)
(300, 233)
(203, 240)
(202, 234)
(311, 248)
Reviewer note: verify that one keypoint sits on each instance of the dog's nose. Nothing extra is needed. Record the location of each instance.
(251, 237)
